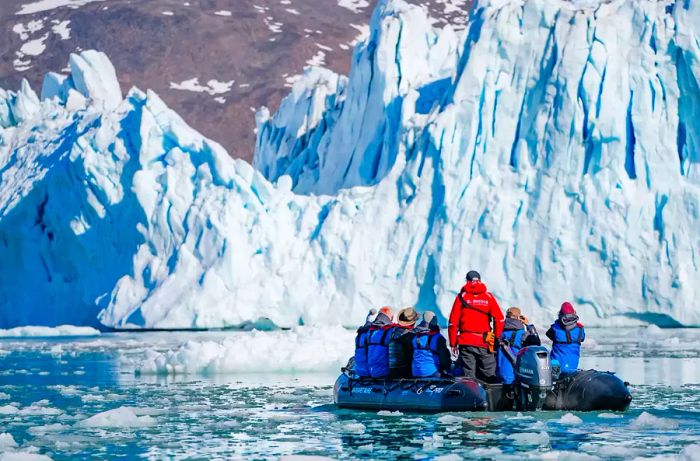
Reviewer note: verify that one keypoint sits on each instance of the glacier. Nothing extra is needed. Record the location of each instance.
(551, 145)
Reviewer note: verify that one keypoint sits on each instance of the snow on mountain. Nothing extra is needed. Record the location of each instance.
(552, 146)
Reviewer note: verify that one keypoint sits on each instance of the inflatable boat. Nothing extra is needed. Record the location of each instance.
(534, 389)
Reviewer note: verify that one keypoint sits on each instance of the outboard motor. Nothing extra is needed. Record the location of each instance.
(533, 378)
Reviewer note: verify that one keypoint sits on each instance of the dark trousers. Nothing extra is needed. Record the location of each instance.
(479, 363)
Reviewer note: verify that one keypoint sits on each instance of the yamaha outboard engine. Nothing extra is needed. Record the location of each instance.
(533, 378)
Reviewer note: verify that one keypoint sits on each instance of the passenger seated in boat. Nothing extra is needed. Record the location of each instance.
(567, 334)
(378, 344)
(400, 346)
(361, 340)
(431, 357)
(518, 332)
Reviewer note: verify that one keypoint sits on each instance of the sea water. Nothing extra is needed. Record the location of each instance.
(81, 398)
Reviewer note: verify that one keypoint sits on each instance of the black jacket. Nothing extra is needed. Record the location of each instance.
(401, 353)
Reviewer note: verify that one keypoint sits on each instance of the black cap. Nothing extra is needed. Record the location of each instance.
(473, 275)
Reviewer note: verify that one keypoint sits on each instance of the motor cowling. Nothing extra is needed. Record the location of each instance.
(533, 377)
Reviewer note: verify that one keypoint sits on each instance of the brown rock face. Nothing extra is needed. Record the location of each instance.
(243, 53)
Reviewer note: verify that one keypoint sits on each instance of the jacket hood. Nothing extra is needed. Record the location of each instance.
(568, 321)
(382, 320)
(513, 324)
(427, 327)
(476, 287)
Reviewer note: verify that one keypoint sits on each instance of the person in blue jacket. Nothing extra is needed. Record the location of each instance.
(381, 331)
(431, 356)
(361, 340)
(567, 334)
(518, 332)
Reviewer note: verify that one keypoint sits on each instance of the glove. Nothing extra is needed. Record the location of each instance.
(490, 339)
(455, 352)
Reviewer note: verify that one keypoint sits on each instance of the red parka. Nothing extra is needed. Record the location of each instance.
(474, 313)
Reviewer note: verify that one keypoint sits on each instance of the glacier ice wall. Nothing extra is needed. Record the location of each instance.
(554, 146)
(551, 146)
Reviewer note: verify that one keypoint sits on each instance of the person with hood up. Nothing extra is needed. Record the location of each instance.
(431, 357)
(361, 340)
(518, 332)
(476, 321)
(567, 334)
(400, 349)
(378, 343)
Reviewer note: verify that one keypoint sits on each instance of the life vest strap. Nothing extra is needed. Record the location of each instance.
(513, 335)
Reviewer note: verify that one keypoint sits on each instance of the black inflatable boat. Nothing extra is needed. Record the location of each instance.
(534, 389)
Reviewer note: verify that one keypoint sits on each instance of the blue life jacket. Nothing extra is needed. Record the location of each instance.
(361, 364)
(566, 346)
(505, 368)
(426, 361)
(378, 352)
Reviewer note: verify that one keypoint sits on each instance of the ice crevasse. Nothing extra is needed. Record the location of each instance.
(551, 145)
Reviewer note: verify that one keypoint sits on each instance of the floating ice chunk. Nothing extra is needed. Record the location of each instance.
(4, 396)
(569, 419)
(610, 415)
(8, 410)
(389, 413)
(655, 332)
(124, 417)
(530, 438)
(304, 458)
(450, 419)
(648, 421)
(568, 456)
(354, 428)
(38, 331)
(39, 410)
(489, 452)
(690, 453)
(56, 427)
(611, 451)
(306, 349)
(456, 457)
(23, 456)
(7, 441)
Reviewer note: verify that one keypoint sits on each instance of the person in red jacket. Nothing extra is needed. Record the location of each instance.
(476, 321)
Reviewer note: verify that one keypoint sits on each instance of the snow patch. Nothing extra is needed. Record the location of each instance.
(356, 6)
(213, 87)
(61, 29)
(47, 5)
(223, 13)
(34, 47)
